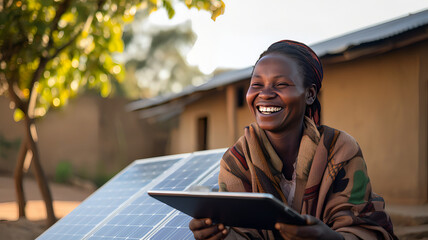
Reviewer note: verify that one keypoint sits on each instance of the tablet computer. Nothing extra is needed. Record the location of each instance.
(247, 210)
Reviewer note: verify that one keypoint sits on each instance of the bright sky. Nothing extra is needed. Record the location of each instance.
(248, 27)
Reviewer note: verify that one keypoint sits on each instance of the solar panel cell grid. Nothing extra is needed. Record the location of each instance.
(151, 212)
(177, 226)
(122, 209)
(106, 200)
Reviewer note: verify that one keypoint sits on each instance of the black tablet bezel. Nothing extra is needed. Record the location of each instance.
(247, 210)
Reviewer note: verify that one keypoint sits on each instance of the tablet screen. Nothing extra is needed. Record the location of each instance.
(247, 210)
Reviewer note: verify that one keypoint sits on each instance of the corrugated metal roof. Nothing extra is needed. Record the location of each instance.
(370, 34)
(219, 80)
(226, 78)
(332, 46)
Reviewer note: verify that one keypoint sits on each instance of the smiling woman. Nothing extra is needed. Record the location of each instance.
(277, 96)
(317, 170)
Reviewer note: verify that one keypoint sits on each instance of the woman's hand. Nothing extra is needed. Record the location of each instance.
(205, 229)
(315, 229)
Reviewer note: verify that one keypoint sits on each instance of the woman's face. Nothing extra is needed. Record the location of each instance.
(277, 96)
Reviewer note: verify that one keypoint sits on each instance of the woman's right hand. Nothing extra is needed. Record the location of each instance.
(205, 229)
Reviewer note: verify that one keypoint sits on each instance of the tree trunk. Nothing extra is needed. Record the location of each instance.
(38, 171)
(30, 144)
(18, 176)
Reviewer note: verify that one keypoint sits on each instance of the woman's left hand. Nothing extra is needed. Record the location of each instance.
(315, 229)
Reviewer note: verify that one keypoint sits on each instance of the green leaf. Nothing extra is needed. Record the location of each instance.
(86, 35)
(18, 115)
(169, 9)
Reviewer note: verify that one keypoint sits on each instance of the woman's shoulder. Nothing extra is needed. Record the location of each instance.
(340, 143)
(333, 134)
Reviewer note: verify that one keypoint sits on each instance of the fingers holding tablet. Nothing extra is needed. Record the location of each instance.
(205, 229)
(314, 229)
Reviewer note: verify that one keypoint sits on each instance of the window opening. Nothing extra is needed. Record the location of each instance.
(202, 133)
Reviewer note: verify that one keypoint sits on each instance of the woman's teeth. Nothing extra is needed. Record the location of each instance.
(269, 110)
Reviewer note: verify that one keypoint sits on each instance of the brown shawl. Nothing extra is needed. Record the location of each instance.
(331, 181)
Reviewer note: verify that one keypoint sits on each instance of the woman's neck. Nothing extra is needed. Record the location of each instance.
(286, 145)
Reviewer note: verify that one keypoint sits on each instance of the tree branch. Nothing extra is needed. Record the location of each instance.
(37, 74)
(8, 49)
(62, 8)
(100, 4)
(18, 175)
(54, 25)
(12, 90)
(12, 45)
(60, 49)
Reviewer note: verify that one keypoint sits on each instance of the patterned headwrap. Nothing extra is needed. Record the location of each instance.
(311, 68)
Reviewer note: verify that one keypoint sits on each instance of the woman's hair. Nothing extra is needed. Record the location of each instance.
(311, 69)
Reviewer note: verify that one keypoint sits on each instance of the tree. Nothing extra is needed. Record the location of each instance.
(155, 57)
(52, 50)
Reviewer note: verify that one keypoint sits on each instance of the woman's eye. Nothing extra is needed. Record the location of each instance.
(283, 84)
(256, 85)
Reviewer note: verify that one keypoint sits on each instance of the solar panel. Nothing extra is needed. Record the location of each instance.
(177, 225)
(144, 214)
(109, 197)
(122, 209)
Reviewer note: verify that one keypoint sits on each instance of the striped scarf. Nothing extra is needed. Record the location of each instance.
(332, 182)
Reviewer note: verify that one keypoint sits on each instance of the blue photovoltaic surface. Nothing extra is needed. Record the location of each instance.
(177, 227)
(122, 209)
(140, 218)
(211, 182)
(107, 199)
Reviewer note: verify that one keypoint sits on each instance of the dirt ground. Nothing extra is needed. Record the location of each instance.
(66, 198)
